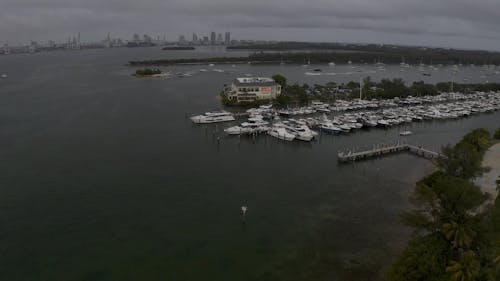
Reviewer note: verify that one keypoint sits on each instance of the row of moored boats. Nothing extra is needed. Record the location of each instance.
(266, 120)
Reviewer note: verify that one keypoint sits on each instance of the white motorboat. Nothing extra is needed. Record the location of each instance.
(253, 122)
(301, 132)
(4, 76)
(213, 117)
(370, 122)
(383, 123)
(405, 133)
(345, 128)
(329, 127)
(238, 130)
(281, 133)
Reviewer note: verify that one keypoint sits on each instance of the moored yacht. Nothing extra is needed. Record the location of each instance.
(213, 117)
(281, 133)
(238, 130)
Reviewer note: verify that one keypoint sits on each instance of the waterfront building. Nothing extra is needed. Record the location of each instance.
(227, 38)
(219, 39)
(253, 88)
(195, 38)
(212, 38)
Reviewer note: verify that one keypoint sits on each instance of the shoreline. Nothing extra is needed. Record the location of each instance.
(487, 181)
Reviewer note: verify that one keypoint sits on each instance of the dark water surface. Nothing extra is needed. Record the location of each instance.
(103, 178)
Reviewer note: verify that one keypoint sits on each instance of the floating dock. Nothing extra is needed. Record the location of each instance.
(377, 151)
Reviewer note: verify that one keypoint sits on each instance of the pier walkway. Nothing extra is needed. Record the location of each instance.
(377, 151)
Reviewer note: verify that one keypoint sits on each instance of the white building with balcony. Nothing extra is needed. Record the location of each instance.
(249, 89)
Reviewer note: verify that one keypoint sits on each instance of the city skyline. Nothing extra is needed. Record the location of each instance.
(445, 23)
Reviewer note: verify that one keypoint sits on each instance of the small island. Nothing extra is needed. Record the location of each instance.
(178, 48)
(148, 72)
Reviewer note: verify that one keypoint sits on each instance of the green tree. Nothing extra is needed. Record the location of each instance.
(466, 268)
(393, 88)
(479, 139)
(446, 204)
(282, 100)
(497, 134)
(298, 92)
(420, 88)
(425, 258)
(281, 80)
(462, 160)
(460, 234)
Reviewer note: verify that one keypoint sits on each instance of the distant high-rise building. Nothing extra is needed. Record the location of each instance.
(219, 38)
(227, 38)
(205, 40)
(195, 38)
(33, 46)
(137, 38)
(6, 49)
(212, 38)
(182, 39)
(147, 39)
(108, 43)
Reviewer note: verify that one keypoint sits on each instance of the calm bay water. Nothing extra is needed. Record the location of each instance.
(102, 177)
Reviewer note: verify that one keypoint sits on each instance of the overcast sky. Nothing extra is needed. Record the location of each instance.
(449, 23)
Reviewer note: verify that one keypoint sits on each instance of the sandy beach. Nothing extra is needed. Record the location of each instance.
(492, 160)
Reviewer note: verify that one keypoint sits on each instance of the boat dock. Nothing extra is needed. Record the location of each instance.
(377, 151)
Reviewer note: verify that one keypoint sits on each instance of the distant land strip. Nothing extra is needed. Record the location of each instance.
(338, 58)
(301, 53)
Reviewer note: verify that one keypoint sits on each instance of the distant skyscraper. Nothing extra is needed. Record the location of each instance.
(219, 38)
(6, 49)
(195, 38)
(212, 38)
(137, 38)
(227, 38)
(182, 39)
(205, 40)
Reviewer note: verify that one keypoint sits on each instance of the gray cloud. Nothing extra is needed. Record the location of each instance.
(454, 23)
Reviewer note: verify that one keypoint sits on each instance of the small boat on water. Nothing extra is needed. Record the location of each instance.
(4, 76)
(213, 117)
(405, 133)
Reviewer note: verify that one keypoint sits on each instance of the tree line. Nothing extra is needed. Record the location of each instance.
(456, 229)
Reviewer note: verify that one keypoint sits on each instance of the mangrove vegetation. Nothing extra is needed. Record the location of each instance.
(456, 228)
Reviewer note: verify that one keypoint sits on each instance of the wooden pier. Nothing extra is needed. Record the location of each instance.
(382, 150)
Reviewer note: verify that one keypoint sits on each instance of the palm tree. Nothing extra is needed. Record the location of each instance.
(460, 235)
(496, 261)
(465, 269)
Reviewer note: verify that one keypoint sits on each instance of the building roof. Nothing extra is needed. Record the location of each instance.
(254, 81)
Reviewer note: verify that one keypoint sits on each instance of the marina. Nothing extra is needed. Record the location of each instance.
(344, 116)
